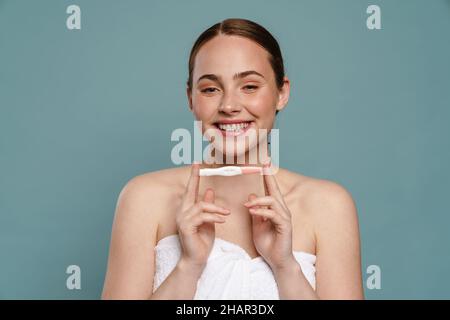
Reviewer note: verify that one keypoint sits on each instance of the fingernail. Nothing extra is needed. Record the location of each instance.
(267, 162)
(267, 170)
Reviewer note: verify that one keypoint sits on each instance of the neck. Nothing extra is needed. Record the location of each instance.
(234, 189)
(218, 159)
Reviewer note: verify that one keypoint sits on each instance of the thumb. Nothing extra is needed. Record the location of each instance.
(209, 195)
(252, 196)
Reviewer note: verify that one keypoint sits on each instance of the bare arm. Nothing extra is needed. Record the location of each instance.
(131, 258)
(181, 284)
(338, 269)
(338, 265)
(293, 285)
(131, 265)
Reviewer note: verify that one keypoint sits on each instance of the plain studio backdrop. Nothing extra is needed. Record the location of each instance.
(83, 111)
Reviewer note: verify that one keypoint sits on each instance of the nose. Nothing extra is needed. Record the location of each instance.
(229, 104)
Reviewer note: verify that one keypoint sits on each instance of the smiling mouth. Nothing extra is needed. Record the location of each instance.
(233, 129)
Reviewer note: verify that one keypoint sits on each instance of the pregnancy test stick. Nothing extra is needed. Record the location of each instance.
(229, 171)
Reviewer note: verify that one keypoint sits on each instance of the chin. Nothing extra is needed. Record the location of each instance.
(238, 152)
(241, 141)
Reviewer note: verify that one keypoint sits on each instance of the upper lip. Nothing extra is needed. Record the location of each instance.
(231, 121)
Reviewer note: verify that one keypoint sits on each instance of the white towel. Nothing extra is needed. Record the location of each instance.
(230, 273)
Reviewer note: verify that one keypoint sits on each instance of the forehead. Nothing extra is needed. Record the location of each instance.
(226, 55)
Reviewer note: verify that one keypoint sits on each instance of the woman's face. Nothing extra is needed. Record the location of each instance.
(234, 92)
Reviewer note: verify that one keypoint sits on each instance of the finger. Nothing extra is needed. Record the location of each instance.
(268, 214)
(252, 197)
(265, 163)
(210, 207)
(267, 201)
(272, 185)
(200, 208)
(261, 201)
(209, 195)
(203, 217)
(191, 194)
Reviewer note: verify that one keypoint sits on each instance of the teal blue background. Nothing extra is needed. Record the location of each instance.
(82, 112)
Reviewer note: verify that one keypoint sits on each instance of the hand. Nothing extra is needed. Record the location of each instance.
(271, 224)
(196, 222)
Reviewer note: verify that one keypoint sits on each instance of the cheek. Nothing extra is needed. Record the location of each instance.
(203, 107)
(261, 104)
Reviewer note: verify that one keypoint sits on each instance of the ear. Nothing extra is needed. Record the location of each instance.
(283, 95)
(189, 96)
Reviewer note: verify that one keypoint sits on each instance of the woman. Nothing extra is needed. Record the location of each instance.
(283, 235)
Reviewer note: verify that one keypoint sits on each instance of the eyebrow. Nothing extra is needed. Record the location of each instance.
(239, 75)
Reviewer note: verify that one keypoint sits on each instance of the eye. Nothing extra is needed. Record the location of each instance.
(208, 90)
(250, 87)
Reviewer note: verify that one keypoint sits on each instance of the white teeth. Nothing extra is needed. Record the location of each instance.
(233, 127)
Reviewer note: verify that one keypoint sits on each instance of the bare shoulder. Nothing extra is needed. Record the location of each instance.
(157, 181)
(151, 194)
(329, 211)
(156, 184)
(325, 203)
(315, 193)
(140, 204)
